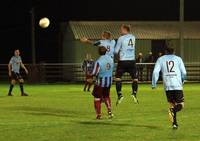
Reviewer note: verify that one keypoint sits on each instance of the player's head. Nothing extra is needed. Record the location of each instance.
(150, 53)
(160, 54)
(106, 35)
(88, 56)
(140, 54)
(169, 50)
(102, 50)
(125, 29)
(17, 52)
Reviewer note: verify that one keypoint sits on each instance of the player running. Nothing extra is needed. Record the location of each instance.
(126, 49)
(14, 72)
(106, 41)
(87, 66)
(174, 74)
(103, 71)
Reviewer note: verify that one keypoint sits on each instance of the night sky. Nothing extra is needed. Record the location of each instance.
(15, 23)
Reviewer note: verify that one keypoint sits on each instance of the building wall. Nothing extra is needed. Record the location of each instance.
(74, 51)
(191, 50)
(143, 46)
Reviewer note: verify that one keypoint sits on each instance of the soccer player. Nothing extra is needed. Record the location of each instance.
(126, 49)
(174, 74)
(140, 67)
(149, 59)
(106, 41)
(14, 72)
(103, 71)
(87, 66)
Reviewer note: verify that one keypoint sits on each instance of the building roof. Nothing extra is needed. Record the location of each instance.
(142, 30)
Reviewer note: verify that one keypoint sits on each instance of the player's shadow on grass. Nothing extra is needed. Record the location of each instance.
(93, 123)
(110, 123)
(44, 111)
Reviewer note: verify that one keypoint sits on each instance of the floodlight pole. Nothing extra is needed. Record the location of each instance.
(33, 35)
(181, 32)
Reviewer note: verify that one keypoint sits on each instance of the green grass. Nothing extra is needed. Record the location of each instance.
(65, 113)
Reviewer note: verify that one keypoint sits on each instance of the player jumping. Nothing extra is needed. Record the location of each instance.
(14, 72)
(173, 73)
(87, 66)
(103, 71)
(106, 42)
(126, 49)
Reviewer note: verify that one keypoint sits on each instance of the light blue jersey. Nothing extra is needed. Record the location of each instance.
(173, 72)
(109, 44)
(126, 47)
(15, 62)
(103, 71)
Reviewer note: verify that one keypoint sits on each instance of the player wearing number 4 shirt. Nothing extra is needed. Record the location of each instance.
(103, 71)
(106, 41)
(174, 74)
(125, 48)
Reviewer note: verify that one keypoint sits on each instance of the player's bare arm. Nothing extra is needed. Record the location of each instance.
(9, 69)
(86, 40)
(23, 66)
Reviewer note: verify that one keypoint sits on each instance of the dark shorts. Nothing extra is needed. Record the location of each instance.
(175, 96)
(89, 78)
(15, 76)
(101, 92)
(126, 66)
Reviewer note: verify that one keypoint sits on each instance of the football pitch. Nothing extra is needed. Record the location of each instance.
(65, 113)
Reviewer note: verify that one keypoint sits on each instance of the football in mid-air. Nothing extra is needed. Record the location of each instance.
(44, 22)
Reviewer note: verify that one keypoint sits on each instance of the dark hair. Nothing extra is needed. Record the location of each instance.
(169, 50)
(102, 50)
(107, 34)
(126, 27)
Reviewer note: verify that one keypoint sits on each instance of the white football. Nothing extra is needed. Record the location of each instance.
(44, 22)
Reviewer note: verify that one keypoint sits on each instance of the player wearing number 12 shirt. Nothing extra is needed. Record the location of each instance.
(125, 48)
(106, 41)
(174, 74)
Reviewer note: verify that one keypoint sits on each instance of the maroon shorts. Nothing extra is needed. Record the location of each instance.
(88, 77)
(101, 92)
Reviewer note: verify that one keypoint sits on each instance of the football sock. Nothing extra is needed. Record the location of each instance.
(11, 88)
(134, 87)
(97, 106)
(178, 107)
(119, 87)
(108, 103)
(21, 87)
(175, 122)
(89, 86)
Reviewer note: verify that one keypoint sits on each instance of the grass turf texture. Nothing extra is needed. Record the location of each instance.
(65, 113)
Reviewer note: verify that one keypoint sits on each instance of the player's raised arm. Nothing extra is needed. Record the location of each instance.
(155, 75)
(86, 40)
